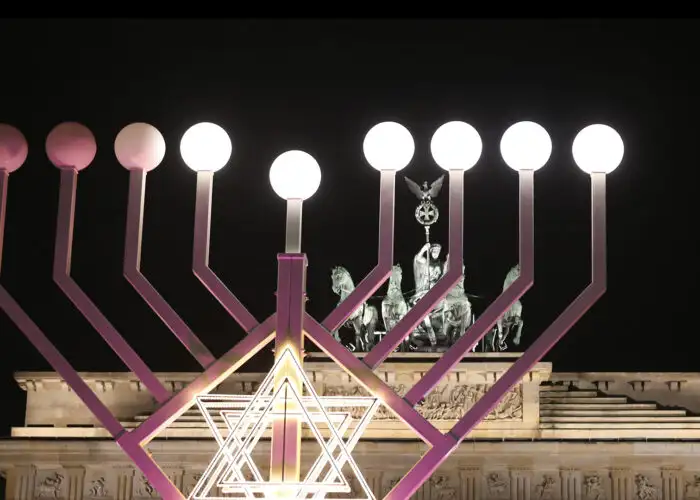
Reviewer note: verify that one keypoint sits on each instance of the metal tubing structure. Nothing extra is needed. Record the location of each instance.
(498, 307)
(200, 257)
(132, 272)
(62, 277)
(427, 465)
(381, 272)
(438, 292)
(44, 345)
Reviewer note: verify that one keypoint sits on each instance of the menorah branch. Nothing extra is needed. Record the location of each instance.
(434, 458)
(438, 292)
(382, 270)
(499, 306)
(155, 476)
(62, 277)
(200, 258)
(132, 272)
(222, 368)
(44, 345)
(369, 380)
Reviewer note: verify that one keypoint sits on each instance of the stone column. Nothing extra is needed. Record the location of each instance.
(125, 484)
(75, 479)
(622, 486)
(19, 483)
(520, 484)
(570, 484)
(470, 483)
(672, 484)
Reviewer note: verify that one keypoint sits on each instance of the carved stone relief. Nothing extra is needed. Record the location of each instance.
(593, 488)
(546, 487)
(97, 488)
(49, 485)
(443, 487)
(497, 485)
(644, 489)
(143, 489)
(692, 488)
(189, 482)
(444, 403)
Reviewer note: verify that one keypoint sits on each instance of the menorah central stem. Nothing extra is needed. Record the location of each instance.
(286, 427)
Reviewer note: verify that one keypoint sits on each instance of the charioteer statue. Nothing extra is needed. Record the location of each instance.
(450, 318)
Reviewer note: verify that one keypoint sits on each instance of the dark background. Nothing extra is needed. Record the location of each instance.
(319, 86)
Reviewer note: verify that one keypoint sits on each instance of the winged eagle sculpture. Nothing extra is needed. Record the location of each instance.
(425, 193)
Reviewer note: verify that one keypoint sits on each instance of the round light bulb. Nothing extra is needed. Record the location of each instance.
(205, 147)
(456, 146)
(598, 148)
(13, 148)
(71, 145)
(388, 146)
(526, 146)
(295, 175)
(139, 146)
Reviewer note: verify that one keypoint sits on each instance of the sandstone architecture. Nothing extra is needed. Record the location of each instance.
(568, 436)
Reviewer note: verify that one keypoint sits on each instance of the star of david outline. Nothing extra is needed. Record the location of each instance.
(250, 416)
(427, 213)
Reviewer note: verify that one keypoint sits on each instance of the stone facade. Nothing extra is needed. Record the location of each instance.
(586, 436)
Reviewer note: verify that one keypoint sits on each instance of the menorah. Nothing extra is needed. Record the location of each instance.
(295, 176)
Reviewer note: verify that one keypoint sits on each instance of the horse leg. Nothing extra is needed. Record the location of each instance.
(519, 331)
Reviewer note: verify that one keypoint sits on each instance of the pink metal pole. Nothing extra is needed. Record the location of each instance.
(61, 275)
(438, 292)
(427, 465)
(153, 473)
(200, 259)
(132, 272)
(371, 382)
(498, 307)
(364, 290)
(44, 345)
(236, 357)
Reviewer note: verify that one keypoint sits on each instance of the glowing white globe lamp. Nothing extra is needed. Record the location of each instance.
(526, 146)
(456, 146)
(206, 147)
(295, 175)
(598, 149)
(388, 146)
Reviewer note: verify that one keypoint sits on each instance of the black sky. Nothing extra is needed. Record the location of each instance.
(319, 86)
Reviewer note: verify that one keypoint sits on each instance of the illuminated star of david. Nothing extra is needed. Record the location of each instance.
(233, 471)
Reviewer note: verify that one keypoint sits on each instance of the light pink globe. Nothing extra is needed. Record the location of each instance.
(139, 146)
(13, 148)
(71, 145)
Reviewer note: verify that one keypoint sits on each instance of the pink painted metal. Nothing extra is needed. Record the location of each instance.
(427, 465)
(71, 145)
(13, 148)
(291, 298)
(44, 345)
(489, 317)
(132, 272)
(371, 382)
(200, 259)
(382, 270)
(62, 277)
(438, 292)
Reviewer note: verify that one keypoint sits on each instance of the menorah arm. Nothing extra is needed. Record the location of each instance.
(44, 345)
(153, 473)
(371, 382)
(222, 368)
(62, 277)
(381, 272)
(132, 272)
(200, 257)
(429, 462)
(498, 307)
(443, 286)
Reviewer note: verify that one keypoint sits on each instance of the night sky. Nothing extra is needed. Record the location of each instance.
(319, 86)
